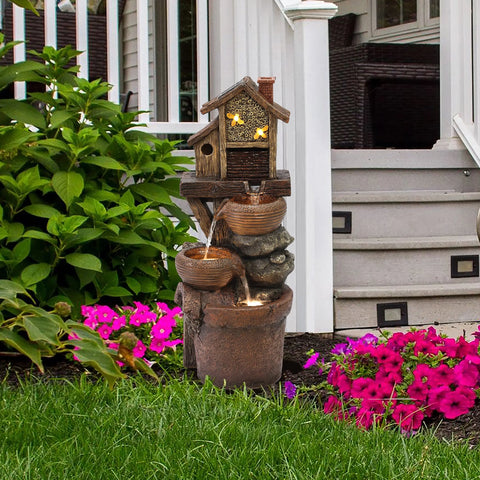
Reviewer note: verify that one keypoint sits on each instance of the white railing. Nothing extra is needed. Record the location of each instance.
(114, 59)
(460, 73)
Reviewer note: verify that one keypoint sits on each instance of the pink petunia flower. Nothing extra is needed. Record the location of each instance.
(104, 313)
(456, 402)
(466, 373)
(408, 417)
(161, 331)
(441, 375)
(104, 331)
(139, 350)
(290, 389)
(312, 360)
(173, 343)
(418, 391)
(119, 322)
(366, 418)
(157, 345)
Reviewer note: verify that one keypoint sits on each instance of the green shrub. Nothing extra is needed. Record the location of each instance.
(85, 197)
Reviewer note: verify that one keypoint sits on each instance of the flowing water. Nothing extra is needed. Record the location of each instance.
(249, 301)
(209, 239)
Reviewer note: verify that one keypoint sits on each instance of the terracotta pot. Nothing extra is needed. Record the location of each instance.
(212, 273)
(239, 345)
(253, 214)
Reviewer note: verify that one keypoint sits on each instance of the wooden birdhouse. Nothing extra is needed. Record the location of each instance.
(241, 143)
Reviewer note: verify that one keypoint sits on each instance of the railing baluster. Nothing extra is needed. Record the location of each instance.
(20, 88)
(82, 37)
(113, 51)
(173, 69)
(202, 58)
(476, 68)
(142, 60)
(50, 18)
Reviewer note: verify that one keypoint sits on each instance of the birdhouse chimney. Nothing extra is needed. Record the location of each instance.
(265, 87)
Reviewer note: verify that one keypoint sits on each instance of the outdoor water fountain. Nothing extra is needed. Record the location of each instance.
(233, 293)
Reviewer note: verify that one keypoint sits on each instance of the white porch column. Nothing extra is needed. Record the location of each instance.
(312, 182)
(455, 69)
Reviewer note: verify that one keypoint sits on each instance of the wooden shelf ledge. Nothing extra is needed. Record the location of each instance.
(205, 187)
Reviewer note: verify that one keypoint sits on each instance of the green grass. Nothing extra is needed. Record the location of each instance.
(183, 431)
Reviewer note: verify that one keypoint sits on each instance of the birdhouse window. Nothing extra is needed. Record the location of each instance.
(243, 117)
(207, 149)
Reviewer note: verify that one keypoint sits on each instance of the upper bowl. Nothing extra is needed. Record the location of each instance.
(253, 214)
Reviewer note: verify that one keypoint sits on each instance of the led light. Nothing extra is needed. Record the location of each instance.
(235, 118)
(261, 132)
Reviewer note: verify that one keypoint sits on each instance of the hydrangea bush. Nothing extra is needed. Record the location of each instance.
(157, 331)
(404, 378)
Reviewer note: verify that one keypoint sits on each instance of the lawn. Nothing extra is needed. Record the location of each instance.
(83, 430)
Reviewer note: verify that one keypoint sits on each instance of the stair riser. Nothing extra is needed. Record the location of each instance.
(396, 267)
(407, 219)
(358, 180)
(362, 313)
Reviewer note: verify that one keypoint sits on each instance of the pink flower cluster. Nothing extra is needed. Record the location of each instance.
(404, 377)
(156, 329)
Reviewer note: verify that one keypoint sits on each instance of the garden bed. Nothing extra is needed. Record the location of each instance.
(14, 370)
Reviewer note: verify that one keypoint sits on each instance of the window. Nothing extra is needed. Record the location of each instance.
(434, 8)
(392, 17)
(391, 13)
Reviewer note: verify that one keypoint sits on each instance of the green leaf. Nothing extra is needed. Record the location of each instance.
(40, 236)
(22, 250)
(67, 185)
(35, 273)
(15, 137)
(116, 292)
(31, 350)
(134, 285)
(92, 351)
(83, 235)
(85, 276)
(41, 210)
(10, 290)
(143, 367)
(117, 211)
(153, 192)
(27, 4)
(42, 328)
(15, 231)
(59, 117)
(22, 112)
(103, 162)
(93, 208)
(86, 261)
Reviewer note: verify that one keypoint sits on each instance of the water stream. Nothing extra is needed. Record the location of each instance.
(209, 239)
(248, 298)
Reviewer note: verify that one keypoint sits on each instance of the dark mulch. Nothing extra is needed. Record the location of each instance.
(14, 369)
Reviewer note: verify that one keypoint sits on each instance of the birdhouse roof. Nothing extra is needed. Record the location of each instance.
(210, 127)
(248, 86)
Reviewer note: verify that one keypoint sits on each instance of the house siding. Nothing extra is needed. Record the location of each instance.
(130, 58)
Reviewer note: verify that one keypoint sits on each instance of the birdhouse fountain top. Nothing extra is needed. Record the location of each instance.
(241, 143)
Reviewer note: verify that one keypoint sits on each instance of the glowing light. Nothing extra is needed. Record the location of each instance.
(261, 132)
(254, 303)
(235, 118)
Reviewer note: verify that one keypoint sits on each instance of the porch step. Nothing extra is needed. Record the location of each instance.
(404, 261)
(398, 170)
(358, 307)
(403, 213)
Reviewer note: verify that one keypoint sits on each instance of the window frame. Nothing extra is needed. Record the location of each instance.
(423, 22)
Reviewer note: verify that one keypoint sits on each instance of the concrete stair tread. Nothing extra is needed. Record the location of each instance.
(434, 290)
(407, 196)
(406, 243)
